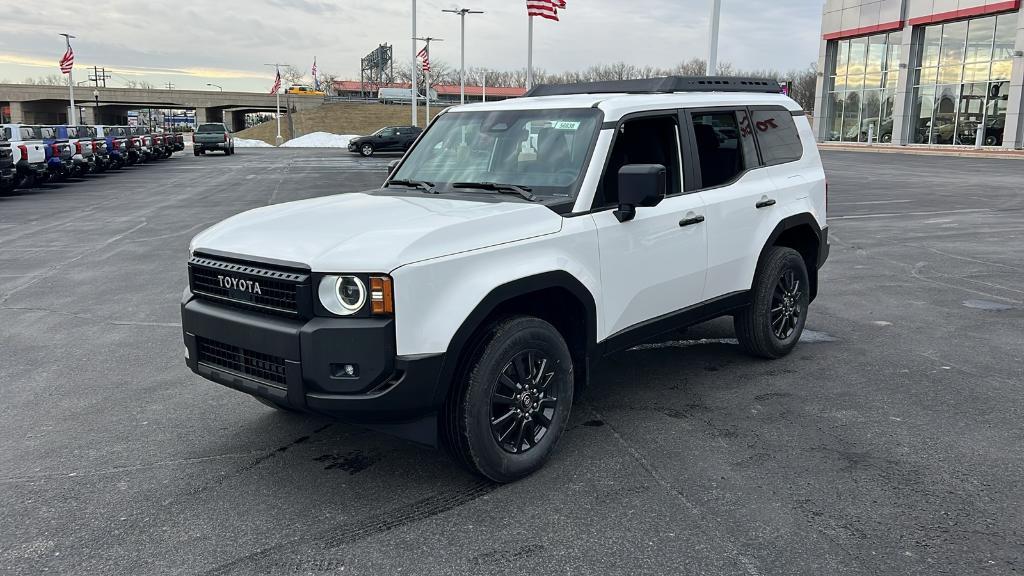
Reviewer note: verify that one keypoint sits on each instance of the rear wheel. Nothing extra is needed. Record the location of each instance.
(366, 150)
(195, 152)
(513, 400)
(771, 326)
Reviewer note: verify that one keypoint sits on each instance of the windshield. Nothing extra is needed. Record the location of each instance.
(543, 150)
(31, 133)
(72, 132)
(45, 131)
(203, 128)
(87, 131)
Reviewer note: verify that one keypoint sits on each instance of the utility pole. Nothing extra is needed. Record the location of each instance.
(716, 16)
(169, 86)
(71, 84)
(426, 73)
(99, 75)
(462, 67)
(415, 73)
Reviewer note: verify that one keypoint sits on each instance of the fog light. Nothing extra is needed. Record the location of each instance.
(344, 370)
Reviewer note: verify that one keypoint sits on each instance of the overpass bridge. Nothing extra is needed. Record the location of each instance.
(35, 104)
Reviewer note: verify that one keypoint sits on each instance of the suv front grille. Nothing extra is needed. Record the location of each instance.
(254, 365)
(248, 286)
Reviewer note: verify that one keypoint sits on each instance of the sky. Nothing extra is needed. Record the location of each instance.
(192, 43)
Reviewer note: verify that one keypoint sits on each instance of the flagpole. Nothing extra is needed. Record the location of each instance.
(71, 85)
(277, 95)
(716, 15)
(415, 73)
(529, 57)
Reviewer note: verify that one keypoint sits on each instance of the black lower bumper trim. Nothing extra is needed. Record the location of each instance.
(251, 350)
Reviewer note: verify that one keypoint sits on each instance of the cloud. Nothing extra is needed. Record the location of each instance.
(198, 41)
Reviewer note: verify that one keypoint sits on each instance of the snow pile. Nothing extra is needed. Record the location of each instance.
(246, 143)
(320, 140)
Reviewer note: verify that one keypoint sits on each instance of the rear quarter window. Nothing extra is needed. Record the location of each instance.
(777, 135)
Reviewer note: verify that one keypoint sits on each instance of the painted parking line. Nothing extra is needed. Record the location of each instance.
(894, 214)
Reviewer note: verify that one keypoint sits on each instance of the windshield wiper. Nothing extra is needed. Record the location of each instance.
(521, 191)
(427, 187)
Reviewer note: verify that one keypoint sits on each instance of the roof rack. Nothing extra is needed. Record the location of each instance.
(663, 85)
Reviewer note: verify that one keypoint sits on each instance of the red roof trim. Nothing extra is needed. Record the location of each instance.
(966, 13)
(865, 30)
(496, 91)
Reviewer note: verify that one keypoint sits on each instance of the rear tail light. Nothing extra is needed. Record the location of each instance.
(55, 148)
(24, 152)
(78, 147)
(225, 137)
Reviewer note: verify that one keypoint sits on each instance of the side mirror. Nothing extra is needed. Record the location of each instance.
(642, 185)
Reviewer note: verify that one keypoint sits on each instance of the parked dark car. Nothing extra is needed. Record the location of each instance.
(390, 139)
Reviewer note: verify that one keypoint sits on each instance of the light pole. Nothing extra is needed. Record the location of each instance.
(716, 16)
(462, 67)
(415, 74)
(216, 86)
(96, 111)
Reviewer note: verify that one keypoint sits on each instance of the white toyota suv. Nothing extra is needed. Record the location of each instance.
(465, 303)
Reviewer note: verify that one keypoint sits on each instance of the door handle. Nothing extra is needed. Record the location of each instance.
(690, 221)
(765, 204)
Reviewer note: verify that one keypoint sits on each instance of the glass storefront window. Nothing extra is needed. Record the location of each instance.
(1005, 37)
(979, 40)
(863, 68)
(954, 38)
(835, 116)
(924, 107)
(930, 46)
(966, 90)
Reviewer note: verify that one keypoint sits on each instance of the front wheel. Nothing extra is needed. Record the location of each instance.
(513, 400)
(772, 324)
(366, 150)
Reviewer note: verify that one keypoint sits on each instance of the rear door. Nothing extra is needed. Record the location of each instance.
(737, 192)
(797, 174)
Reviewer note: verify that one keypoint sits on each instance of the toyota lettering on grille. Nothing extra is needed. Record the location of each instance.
(240, 285)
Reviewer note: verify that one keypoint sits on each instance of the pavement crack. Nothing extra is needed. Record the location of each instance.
(750, 567)
(92, 318)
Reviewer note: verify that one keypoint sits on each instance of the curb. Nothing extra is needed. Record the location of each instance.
(926, 151)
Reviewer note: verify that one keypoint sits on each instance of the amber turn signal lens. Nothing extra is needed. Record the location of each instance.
(382, 296)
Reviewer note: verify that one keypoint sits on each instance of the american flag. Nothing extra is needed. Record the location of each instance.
(277, 82)
(316, 82)
(545, 8)
(425, 56)
(67, 62)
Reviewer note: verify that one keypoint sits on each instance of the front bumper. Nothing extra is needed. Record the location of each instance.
(296, 364)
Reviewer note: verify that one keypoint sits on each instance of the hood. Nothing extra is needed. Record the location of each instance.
(363, 232)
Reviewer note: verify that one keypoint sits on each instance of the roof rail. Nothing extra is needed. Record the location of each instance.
(663, 85)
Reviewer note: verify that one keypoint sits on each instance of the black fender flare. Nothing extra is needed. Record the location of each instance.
(501, 294)
(790, 222)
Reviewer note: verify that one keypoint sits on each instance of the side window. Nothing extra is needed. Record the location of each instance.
(389, 132)
(725, 146)
(777, 134)
(652, 140)
(7, 133)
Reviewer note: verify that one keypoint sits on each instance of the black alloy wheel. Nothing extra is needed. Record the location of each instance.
(786, 310)
(771, 325)
(522, 404)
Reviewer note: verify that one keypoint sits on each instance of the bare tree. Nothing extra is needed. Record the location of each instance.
(327, 80)
(292, 75)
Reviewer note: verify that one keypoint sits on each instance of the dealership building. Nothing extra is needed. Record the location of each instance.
(927, 72)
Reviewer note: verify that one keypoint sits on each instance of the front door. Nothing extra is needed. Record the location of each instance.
(655, 264)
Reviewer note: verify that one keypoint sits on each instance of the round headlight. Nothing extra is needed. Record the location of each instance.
(342, 295)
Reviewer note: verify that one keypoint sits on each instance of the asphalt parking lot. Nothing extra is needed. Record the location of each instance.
(890, 442)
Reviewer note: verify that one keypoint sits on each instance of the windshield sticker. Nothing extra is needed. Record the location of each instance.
(567, 125)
